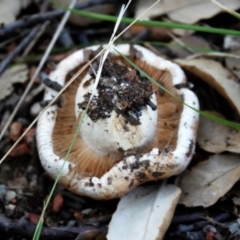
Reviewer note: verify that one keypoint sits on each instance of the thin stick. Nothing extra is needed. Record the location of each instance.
(59, 29)
(213, 54)
(42, 62)
(70, 81)
(234, 13)
(42, 17)
(18, 49)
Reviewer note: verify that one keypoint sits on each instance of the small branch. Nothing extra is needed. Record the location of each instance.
(24, 228)
(18, 49)
(27, 21)
(186, 218)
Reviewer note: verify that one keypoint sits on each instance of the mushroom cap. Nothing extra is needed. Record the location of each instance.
(111, 155)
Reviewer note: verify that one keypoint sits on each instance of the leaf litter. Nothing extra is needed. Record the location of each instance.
(217, 174)
(16, 74)
(205, 183)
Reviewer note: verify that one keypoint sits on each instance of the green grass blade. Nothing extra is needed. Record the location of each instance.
(38, 230)
(110, 18)
(207, 115)
(158, 23)
(40, 223)
(230, 11)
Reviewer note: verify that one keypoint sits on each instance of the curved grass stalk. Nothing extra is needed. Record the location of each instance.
(197, 28)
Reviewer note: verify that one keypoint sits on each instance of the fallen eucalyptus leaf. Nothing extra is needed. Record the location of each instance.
(215, 137)
(184, 11)
(16, 74)
(145, 213)
(9, 9)
(206, 182)
(218, 77)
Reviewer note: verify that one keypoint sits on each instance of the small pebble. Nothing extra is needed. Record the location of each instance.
(34, 218)
(33, 185)
(71, 223)
(10, 207)
(57, 202)
(78, 215)
(10, 195)
(29, 135)
(86, 211)
(15, 130)
(35, 109)
(19, 150)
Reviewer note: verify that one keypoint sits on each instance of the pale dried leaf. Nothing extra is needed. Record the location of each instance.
(185, 11)
(231, 42)
(215, 137)
(192, 44)
(206, 182)
(218, 77)
(145, 213)
(9, 9)
(16, 74)
(84, 21)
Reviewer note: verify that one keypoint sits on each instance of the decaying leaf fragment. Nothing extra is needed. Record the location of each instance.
(16, 74)
(206, 182)
(145, 213)
(215, 75)
(10, 9)
(184, 11)
(215, 137)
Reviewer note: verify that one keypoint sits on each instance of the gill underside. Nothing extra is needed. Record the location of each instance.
(89, 163)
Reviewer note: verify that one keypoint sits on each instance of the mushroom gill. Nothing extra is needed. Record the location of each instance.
(89, 162)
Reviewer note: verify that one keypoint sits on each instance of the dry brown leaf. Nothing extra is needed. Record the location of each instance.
(218, 77)
(215, 137)
(206, 182)
(16, 74)
(145, 213)
(9, 9)
(184, 11)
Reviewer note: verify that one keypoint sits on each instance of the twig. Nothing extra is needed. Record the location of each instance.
(42, 17)
(24, 228)
(34, 40)
(186, 218)
(9, 40)
(45, 56)
(65, 38)
(230, 11)
(18, 49)
(213, 54)
(42, 29)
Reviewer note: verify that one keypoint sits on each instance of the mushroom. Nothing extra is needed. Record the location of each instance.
(133, 131)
